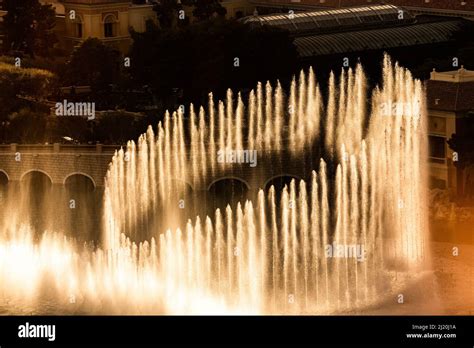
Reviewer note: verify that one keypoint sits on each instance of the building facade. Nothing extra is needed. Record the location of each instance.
(450, 98)
(111, 20)
(107, 20)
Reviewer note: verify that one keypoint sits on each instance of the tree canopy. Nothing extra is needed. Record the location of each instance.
(93, 64)
(28, 27)
(462, 142)
(206, 9)
(15, 82)
(167, 12)
(210, 56)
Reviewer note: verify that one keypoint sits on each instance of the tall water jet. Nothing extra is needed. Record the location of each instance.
(306, 256)
(324, 244)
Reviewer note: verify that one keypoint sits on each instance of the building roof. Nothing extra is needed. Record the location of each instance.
(95, 2)
(451, 90)
(376, 39)
(458, 5)
(449, 96)
(334, 20)
(460, 75)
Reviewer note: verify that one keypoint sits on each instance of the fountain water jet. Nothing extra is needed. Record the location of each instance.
(368, 191)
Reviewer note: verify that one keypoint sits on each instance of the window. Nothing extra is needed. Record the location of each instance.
(79, 30)
(110, 26)
(109, 29)
(437, 183)
(437, 146)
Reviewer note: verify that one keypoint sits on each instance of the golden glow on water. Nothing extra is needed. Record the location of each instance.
(124, 283)
(267, 256)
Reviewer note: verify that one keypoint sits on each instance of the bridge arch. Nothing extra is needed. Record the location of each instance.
(4, 178)
(36, 171)
(80, 174)
(188, 187)
(228, 178)
(280, 180)
(227, 190)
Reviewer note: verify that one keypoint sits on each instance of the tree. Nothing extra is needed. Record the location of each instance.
(93, 64)
(98, 66)
(22, 82)
(462, 143)
(28, 126)
(20, 88)
(206, 9)
(465, 39)
(167, 12)
(210, 56)
(29, 27)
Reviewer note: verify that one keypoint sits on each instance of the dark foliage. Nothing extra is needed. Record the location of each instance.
(28, 27)
(210, 56)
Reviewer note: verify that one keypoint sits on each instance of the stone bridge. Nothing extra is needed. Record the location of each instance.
(59, 162)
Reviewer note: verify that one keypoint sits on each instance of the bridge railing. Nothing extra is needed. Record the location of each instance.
(59, 148)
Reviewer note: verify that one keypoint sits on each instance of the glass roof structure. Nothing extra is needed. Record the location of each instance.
(376, 39)
(335, 20)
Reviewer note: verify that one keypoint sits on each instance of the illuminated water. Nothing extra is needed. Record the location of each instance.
(278, 251)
